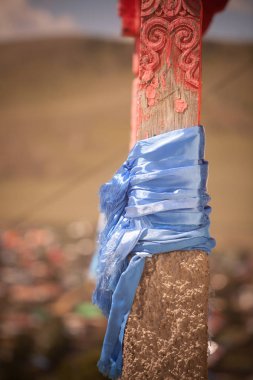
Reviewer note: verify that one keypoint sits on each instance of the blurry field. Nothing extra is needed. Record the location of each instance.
(64, 114)
(64, 124)
(65, 110)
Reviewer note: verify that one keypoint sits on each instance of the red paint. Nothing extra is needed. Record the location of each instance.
(129, 11)
(167, 24)
(210, 7)
(167, 34)
(180, 105)
(135, 88)
(163, 80)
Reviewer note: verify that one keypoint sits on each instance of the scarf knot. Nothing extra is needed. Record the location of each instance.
(113, 194)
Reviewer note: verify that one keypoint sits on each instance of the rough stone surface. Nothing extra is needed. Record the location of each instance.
(166, 334)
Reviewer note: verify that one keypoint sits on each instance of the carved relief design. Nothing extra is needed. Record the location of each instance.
(171, 8)
(180, 105)
(186, 38)
(154, 38)
(192, 7)
(167, 23)
(149, 6)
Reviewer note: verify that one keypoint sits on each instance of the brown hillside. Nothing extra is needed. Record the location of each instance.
(65, 111)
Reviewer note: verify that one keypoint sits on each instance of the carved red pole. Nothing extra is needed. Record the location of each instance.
(166, 334)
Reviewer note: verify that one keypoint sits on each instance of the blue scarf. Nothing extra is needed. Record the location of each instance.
(156, 202)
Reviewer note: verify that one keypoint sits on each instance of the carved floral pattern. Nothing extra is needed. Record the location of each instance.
(171, 8)
(167, 23)
(186, 37)
(149, 6)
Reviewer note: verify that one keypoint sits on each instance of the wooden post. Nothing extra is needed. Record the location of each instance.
(166, 334)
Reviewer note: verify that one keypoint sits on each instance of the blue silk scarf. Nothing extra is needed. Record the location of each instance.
(156, 202)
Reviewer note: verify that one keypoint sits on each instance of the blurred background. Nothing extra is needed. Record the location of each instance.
(65, 86)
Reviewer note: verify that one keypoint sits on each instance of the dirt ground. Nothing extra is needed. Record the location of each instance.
(65, 110)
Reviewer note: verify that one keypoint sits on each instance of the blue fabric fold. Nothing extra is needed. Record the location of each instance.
(155, 203)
